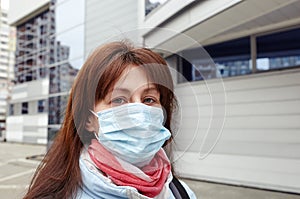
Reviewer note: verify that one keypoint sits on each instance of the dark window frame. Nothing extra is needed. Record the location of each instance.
(24, 108)
(252, 54)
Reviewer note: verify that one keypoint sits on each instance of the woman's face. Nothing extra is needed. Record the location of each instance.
(132, 87)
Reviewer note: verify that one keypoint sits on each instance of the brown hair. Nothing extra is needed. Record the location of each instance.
(58, 175)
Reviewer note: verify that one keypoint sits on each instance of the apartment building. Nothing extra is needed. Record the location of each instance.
(6, 67)
(53, 39)
(237, 65)
(43, 74)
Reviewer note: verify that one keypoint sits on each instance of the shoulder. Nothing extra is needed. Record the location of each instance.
(180, 189)
(188, 190)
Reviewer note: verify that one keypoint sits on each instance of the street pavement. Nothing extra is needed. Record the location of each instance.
(206, 190)
(16, 172)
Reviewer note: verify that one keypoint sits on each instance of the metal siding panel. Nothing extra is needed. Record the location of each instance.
(262, 124)
(250, 109)
(107, 19)
(249, 82)
(273, 94)
(254, 171)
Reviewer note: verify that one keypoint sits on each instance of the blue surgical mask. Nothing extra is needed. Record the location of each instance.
(133, 132)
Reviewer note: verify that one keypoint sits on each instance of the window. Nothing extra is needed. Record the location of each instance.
(152, 4)
(54, 110)
(233, 58)
(41, 106)
(11, 109)
(278, 50)
(25, 108)
(57, 107)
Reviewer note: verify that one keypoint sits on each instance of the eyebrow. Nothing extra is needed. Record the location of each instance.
(152, 88)
(121, 89)
(125, 90)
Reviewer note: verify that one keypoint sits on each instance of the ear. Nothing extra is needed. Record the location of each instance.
(92, 124)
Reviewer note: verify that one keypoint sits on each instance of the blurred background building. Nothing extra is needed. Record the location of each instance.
(7, 46)
(253, 45)
(53, 38)
(43, 74)
(255, 48)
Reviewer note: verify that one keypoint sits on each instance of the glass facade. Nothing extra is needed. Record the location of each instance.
(57, 106)
(152, 4)
(50, 46)
(226, 59)
(233, 58)
(278, 50)
(35, 50)
(69, 34)
(42, 106)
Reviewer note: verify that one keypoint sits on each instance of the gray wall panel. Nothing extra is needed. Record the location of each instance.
(106, 19)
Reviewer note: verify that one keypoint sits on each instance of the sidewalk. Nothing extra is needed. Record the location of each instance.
(206, 190)
(16, 172)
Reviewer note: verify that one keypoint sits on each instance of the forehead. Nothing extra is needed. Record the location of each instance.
(133, 78)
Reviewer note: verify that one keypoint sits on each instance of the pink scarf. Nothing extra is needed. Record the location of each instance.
(148, 180)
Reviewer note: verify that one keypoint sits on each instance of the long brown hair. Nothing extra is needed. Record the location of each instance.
(58, 175)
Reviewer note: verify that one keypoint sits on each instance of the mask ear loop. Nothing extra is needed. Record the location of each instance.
(96, 135)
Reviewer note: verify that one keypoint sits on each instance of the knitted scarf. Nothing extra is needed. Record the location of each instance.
(148, 180)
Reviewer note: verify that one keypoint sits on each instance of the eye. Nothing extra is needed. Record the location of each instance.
(149, 100)
(118, 101)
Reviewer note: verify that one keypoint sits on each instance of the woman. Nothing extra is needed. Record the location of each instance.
(117, 119)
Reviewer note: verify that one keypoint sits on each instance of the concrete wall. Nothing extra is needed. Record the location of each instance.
(30, 127)
(28, 91)
(27, 128)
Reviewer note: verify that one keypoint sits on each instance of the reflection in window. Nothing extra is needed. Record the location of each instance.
(69, 38)
(70, 30)
(51, 134)
(42, 106)
(35, 47)
(152, 4)
(278, 50)
(231, 58)
(62, 77)
(56, 108)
